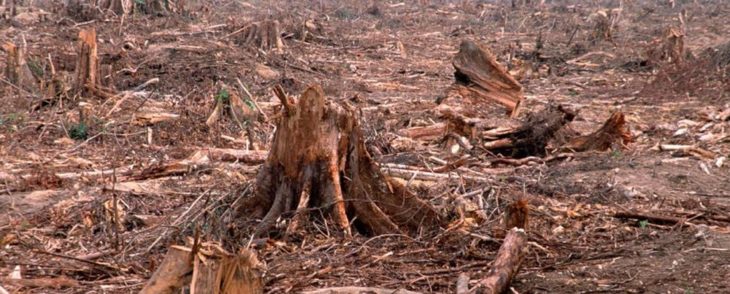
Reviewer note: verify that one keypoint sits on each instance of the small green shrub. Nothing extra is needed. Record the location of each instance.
(78, 131)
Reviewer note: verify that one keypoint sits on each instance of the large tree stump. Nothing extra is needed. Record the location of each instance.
(479, 76)
(318, 161)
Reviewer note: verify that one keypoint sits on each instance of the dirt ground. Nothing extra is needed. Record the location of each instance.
(60, 180)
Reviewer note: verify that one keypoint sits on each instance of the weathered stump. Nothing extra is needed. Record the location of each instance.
(17, 70)
(265, 35)
(318, 161)
(612, 135)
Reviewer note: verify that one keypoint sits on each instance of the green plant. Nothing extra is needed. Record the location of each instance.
(78, 131)
(250, 104)
(643, 224)
(616, 153)
(222, 96)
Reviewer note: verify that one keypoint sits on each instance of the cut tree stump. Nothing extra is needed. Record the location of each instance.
(479, 76)
(207, 269)
(87, 65)
(505, 267)
(318, 160)
(265, 35)
(16, 69)
(613, 134)
(172, 272)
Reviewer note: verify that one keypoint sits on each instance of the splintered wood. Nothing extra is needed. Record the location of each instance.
(207, 269)
(318, 159)
(479, 76)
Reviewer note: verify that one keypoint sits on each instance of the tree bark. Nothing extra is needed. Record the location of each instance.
(318, 161)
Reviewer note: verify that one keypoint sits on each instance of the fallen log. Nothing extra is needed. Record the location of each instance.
(479, 76)
(506, 264)
(318, 159)
(651, 217)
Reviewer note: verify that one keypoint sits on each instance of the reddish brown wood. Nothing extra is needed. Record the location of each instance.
(506, 264)
(479, 76)
(613, 133)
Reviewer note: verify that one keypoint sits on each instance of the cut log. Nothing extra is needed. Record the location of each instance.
(533, 136)
(506, 264)
(479, 76)
(318, 149)
(613, 134)
(17, 70)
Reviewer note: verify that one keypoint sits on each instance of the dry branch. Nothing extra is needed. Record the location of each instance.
(654, 218)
